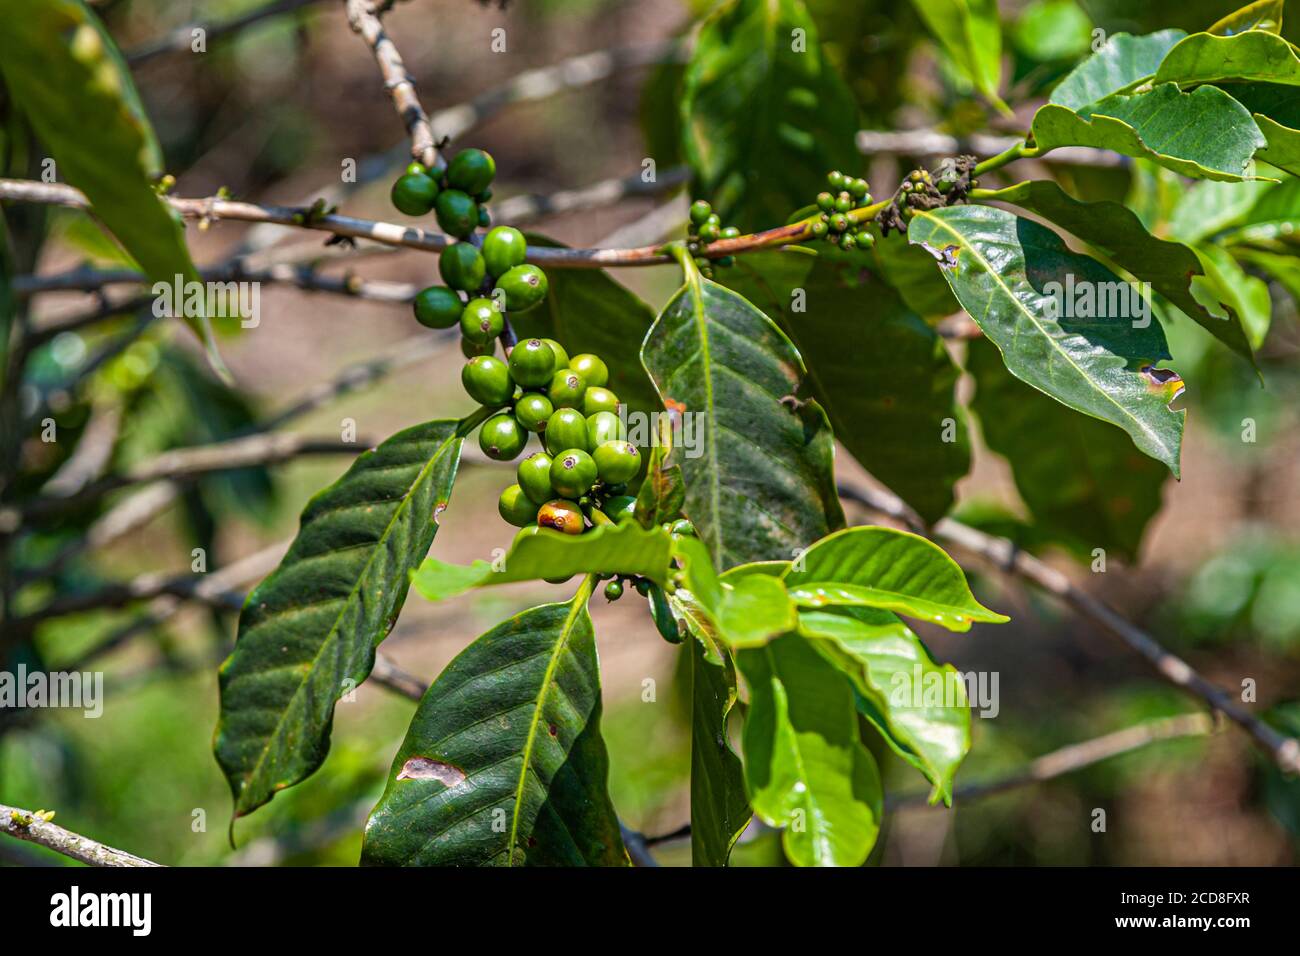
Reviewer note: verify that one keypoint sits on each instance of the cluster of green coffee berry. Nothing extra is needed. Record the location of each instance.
(581, 474)
(706, 227)
(835, 224)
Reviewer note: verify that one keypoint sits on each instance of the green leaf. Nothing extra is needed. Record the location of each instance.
(1254, 56)
(884, 377)
(764, 114)
(1114, 229)
(918, 706)
(503, 764)
(805, 767)
(308, 633)
(719, 809)
(1205, 134)
(1082, 480)
(588, 311)
(893, 570)
(663, 491)
(1209, 207)
(1226, 281)
(970, 33)
(1053, 30)
(1122, 61)
(1260, 15)
(1276, 109)
(624, 548)
(915, 278)
(1001, 268)
(761, 484)
(63, 70)
(755, 608)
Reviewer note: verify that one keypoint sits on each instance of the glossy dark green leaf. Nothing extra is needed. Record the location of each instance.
(888, 569)
(883, 375)
(755, 608)
(719, 809)
(625, 548)
(761, 482)
(764, 113)
(1205, 134)
(918, 706)
(663, 490)
(1254, 55)
(1116, 231)
(971, 34)
(805, 767)
(504, 764)
(1122, 62)
(915, 279)
(588, 311)
(63, 70)
(307, 634)
(1005, 269)
(1083, 481)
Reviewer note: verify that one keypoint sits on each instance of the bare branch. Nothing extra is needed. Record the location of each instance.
(1075, 757)
(26, 825)
(257, 449)
(1008, 557)
(930, 143)
(571, 73)
(363, 15)
(180, 39)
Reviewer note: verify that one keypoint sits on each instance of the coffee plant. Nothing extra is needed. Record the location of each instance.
(686, 455)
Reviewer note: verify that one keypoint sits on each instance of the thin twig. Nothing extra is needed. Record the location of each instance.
(251, 450)
(181, 38)
(1009, 558)
(1074, 757)
(26, 825)
(363, 15)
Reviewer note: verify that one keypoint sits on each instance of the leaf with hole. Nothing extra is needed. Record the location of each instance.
(504, 764)
(1027, 292)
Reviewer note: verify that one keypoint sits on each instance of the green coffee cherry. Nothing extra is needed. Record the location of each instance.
(682, 526)
(819, 229)
(457, 213)
(700, 211)
(524, 286)
(843, 202)
(613, 591)
(603, 427)
(484, 217)
(573, 472)
(561, 515)
(617, 461)
(709, 233)
(414, 168)
(480, 321)
(503, 249)
(471, 170)
(620, 507)
(534, 475)
(825, 202)
(532, 363)
(599, 400)
(592, 369)
(461, 267)
(414, 194)
(515, 507)
(835, 179)
(487, 380)
(532, 410)
(857, 188)
(642, 586)
(502, 437)
(437, 307)
(566, 389)
(566, 429)
(471, 349)
(561, 356)
(731, 232)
